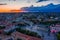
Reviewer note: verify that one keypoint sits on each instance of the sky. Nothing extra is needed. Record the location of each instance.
(17, 4)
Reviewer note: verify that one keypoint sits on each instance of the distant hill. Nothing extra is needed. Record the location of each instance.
(48, 8)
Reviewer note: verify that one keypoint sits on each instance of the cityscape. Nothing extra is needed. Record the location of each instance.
(29, 19)
(30, 26)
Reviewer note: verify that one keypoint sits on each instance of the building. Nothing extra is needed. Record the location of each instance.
(55, 28)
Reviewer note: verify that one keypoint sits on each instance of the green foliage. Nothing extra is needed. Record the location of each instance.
(27, 32)
(19, 39)
(9, 32)
(58, 36)
(2, 27)
(50, 22)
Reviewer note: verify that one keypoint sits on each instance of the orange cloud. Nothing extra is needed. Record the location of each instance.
(9, 10)
(4, 10)
(16, 10)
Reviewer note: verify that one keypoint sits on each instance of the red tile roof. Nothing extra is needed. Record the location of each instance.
(26, 37)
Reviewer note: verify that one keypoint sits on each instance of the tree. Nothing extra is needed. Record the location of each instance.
(58, 36)
(2, 27)
(27, 32)
(19, 39)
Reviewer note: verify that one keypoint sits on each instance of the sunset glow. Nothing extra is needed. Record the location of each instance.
(4, 10)
(17, 4)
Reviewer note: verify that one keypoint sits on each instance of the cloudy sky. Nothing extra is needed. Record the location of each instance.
(17, 4)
